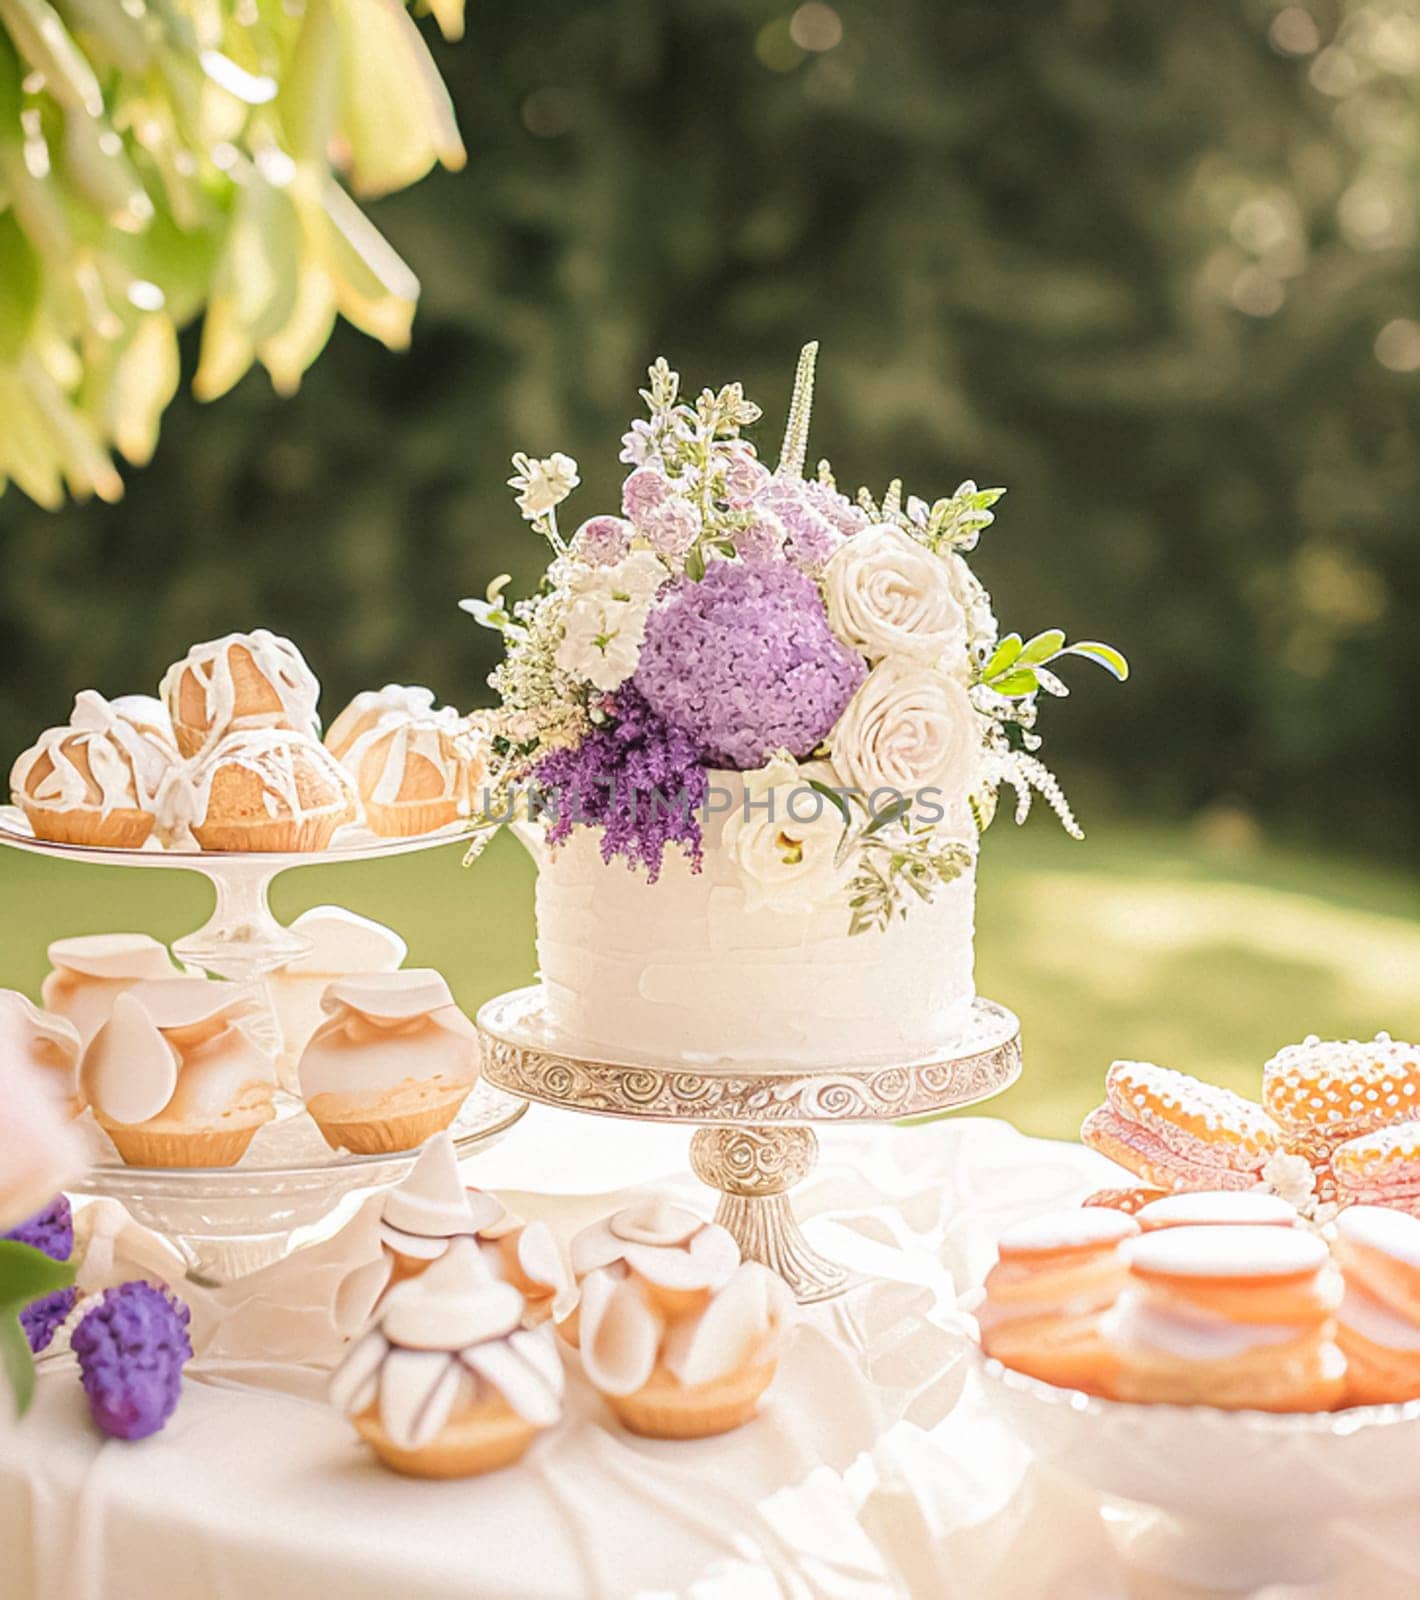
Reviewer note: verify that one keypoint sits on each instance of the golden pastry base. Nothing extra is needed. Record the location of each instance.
(754, 1137)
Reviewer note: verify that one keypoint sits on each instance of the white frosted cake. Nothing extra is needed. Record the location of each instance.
(751, 730)
(684, 969)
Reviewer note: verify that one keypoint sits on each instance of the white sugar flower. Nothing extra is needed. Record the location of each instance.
(604, 625)
(785, 843)
(908, 728)
(541, 486)
(890, 597)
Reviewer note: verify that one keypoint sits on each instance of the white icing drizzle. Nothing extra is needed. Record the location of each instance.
(1083, 1228)
(372, 707)
(380, 759)
(447, 1338)
(126, 768)
(273, 756)
(277, 660)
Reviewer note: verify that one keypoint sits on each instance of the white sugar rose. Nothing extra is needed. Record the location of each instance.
(890, 597)
(908, 728)
(785, 843)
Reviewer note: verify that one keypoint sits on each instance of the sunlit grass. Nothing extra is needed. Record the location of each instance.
(1136, 943)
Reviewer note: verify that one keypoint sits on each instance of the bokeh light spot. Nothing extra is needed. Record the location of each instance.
(1398, 345)
(816, 26)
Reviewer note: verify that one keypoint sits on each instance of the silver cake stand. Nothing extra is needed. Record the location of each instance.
(290, 1185)
(754, 1130)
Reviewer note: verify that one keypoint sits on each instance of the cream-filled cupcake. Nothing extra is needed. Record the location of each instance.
(417, 774)
(343, 945)
(430, 1208)
(46, 1042)
(88, 972)
(396, 702)
(678, 1335)
(391, 1064)
(268, 789)
(447, 1383)
(95, 781)
(173, 1078)
(240, 682)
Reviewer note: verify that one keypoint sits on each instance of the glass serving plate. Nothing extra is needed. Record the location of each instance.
(290, 1187)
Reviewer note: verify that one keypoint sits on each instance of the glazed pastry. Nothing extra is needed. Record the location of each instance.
(1175, 1132)
(343, 945)
(391, 1064)
(430, 1208)
(416, 774)
(678, 1336)
(95, 781)
(396, 702)
(447, 1383)
(1240, 1318)
(268, 789)
(1380, 1169)
(1210, 1208)
(173, 1078)
(146, 714)
(90, 971)
(1322, 1093)
(1130, 1201)
(1378, 1325)
(1055, 1277)
(47, 1042)
(242, 681)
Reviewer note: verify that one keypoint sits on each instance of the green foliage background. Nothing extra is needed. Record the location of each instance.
(1110, 255)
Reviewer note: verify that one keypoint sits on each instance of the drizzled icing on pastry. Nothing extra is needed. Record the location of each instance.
(282, 762)
(126, 767)
(209, 666)
(384, 758)
(396, 701)
(443, 1342)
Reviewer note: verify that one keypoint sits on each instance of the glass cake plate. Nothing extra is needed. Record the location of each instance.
(754, 1137)
(290, 1186)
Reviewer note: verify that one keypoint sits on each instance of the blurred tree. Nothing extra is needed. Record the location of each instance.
(160, 158)
(1155, 268)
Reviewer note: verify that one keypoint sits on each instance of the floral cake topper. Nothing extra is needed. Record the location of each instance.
(838, 654)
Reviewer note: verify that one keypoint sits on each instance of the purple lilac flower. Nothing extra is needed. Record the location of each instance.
(602, 541)
(745, 662)
(817, 519)
(131, 1349)
(745, 477)
(671, 527)
(641, 780)
(51, 1232)
(762, 539)
(642, 492)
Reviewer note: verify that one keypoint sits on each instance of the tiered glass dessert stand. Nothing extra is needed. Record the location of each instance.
(290, 1186)
(754, 1134)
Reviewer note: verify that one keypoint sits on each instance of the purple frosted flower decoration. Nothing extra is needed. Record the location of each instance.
(131, 1349)
(816, 519)
(641, 780)
(671, 527)
(744, 661)
(762, 539)
(745, 477)
(51, 1232)
(602, 541)
(642, 492)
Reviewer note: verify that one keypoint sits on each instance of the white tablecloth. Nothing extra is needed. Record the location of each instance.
(875, 1469)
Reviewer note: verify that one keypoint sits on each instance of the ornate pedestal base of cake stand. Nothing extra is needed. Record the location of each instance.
(754, 1138)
